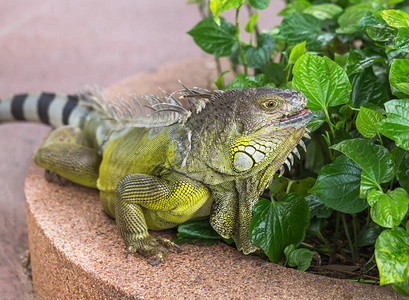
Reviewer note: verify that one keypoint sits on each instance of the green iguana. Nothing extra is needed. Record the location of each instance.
(175, 164)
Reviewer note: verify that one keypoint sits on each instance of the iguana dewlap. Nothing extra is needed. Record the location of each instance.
(158, 171)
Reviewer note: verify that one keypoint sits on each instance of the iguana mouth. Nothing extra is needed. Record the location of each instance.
(303, 115)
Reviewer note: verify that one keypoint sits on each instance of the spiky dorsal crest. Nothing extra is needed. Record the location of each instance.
(198, 97)
(162, 111)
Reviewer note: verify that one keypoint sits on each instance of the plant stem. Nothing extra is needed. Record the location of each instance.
(380, 138)
(351, 246)
(289, 70)
(219, 68)
(251, 13)
(307, 245)
(323, 239)
(327, 139)
(392, 182)
(331, 126)
(355, 225)
(243, 58)
(290, 183)
(336, 234)
(362, 280)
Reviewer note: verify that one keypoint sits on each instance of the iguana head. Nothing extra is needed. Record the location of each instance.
(233, 142)
(247, 131)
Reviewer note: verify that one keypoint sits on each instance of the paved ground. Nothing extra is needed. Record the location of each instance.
(48, 45)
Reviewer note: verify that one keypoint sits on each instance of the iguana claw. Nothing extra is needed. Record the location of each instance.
(157, 249)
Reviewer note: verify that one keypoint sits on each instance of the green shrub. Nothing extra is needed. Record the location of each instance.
(350, 58)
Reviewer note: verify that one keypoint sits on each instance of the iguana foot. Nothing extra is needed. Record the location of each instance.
(157, 249)
(55, 178)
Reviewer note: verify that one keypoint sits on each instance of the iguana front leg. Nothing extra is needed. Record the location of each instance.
(232, 211)
(144, 201)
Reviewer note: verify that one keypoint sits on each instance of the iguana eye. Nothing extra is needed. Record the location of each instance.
(270, 104)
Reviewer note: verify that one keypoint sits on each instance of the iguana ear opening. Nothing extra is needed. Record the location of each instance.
(239, 127)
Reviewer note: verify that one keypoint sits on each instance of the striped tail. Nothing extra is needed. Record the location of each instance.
(48, 108)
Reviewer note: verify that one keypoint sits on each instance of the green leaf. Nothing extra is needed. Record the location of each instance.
(213, 39)
(403, 172)
(259, 4)
(275, 73)
(318, 155)
(281, 186)
(301, 186)
(275, 225)
(338, 185)
(251, 23)
(370, 18)
(376, 28)
(395, 18)
(402, 288)
(316, 225)
(219, 81)
(382, 33)
(258, 57)
(323, 11)
(399, 77)
(323, 81)
(368, 235)
(296, 53)
(341, 60)
(398, 156)
(318, 118)
(367, 185)
(367, 87)
(315, 123)
(388, 210)
(392, 255)
(396, 125)
(278, 187)
(297, 6)
(375, 160)
(242, 81)
(367, 122)
(359, 60)
(351, 16)
(345, 113)
(390, 3)
(298, 27)
(402, 39)
(300, 258)
(219, 6)
(198, 229)
(317, 207)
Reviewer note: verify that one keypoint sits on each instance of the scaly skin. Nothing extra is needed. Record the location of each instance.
(215, 159)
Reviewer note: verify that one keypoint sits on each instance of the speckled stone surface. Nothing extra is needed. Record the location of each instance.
(76, 252)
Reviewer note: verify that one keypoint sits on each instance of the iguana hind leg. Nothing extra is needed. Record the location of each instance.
(143, 200)
(66, 153)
